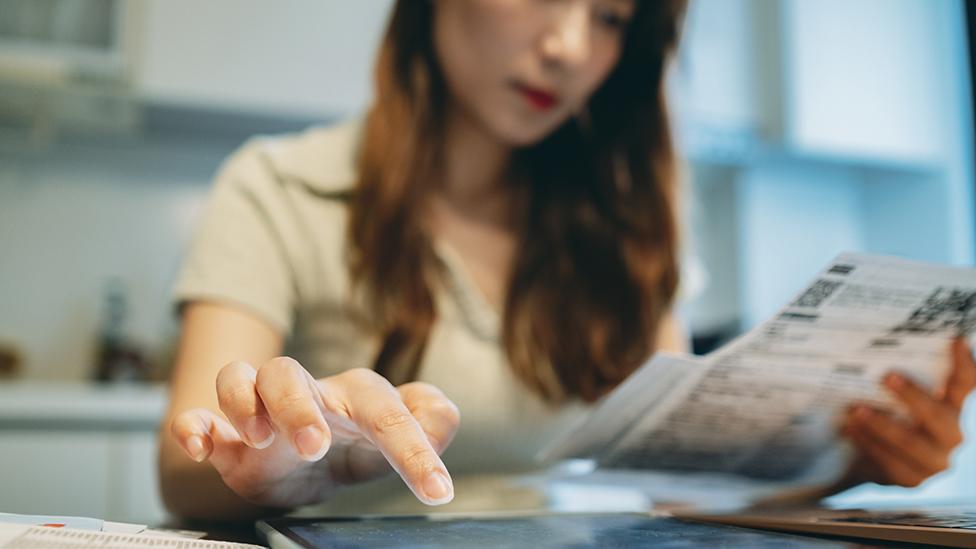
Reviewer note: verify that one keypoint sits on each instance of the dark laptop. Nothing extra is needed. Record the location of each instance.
(943, 526)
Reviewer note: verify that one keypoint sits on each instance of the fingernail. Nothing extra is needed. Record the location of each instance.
(310, 443)
(864, 412)
(438, 488)
(194, 447)
(259, 433)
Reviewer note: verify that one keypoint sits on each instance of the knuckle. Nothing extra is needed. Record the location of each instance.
(333, 403)
(183, 425)
(417, 459)
(362, 376)
(278, 365)
(184, 417)
(180, 426)
(446, 410)
(236, 398)
(424, 388)
(390, 420)
(234, 367)
(289, 402)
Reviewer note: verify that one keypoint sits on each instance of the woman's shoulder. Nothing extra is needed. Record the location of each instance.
(321, 158)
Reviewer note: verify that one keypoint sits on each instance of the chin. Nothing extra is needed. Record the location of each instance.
(520, 133)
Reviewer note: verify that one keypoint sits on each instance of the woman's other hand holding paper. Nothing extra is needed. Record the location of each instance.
(907, 452)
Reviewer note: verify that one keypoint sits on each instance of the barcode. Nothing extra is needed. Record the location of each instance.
(816, 294)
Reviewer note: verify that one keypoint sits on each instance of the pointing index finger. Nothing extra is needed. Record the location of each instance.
(379, 412)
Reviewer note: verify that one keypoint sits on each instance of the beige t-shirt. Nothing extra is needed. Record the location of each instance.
(273, 241)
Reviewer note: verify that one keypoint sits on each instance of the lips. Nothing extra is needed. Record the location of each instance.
(538, 98)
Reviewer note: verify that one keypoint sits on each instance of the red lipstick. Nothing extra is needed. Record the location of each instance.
(539, 99)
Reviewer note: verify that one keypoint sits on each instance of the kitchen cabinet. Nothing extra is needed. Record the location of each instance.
(80, 449)
(720, 78)
(302, 57)
(861, 82)
(865, 78)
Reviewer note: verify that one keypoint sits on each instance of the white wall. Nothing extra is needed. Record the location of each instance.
(70, 223)
(719, 77)
(862, 77)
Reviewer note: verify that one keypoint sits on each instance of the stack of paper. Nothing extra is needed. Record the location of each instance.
(25, 536)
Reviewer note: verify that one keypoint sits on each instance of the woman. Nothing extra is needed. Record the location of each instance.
(497, 240)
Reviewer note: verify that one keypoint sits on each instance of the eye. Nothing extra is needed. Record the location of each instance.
(616, 20)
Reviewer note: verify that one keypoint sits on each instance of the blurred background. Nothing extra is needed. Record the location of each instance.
(809, 127)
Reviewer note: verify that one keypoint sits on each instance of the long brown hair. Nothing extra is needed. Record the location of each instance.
(596, 264)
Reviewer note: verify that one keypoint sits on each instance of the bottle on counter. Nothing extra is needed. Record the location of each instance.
(10, 361)
(119, 358)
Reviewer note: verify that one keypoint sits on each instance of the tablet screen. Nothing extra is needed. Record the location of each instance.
(559, 530)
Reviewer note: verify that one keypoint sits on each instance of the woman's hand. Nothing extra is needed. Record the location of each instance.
(905, 453)
(280, 423)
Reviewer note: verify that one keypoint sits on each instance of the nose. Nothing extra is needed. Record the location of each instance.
(567, 41)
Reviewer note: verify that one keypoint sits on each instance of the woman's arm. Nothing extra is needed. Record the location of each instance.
(213, 335)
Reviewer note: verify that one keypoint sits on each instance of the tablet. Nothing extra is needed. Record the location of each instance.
(576, 530)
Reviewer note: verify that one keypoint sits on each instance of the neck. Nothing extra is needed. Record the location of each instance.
(475, 175)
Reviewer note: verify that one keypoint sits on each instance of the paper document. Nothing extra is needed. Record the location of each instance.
(767, 406)
(56, 521)
(25, 536)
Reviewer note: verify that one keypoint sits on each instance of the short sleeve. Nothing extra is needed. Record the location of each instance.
(238, 254)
